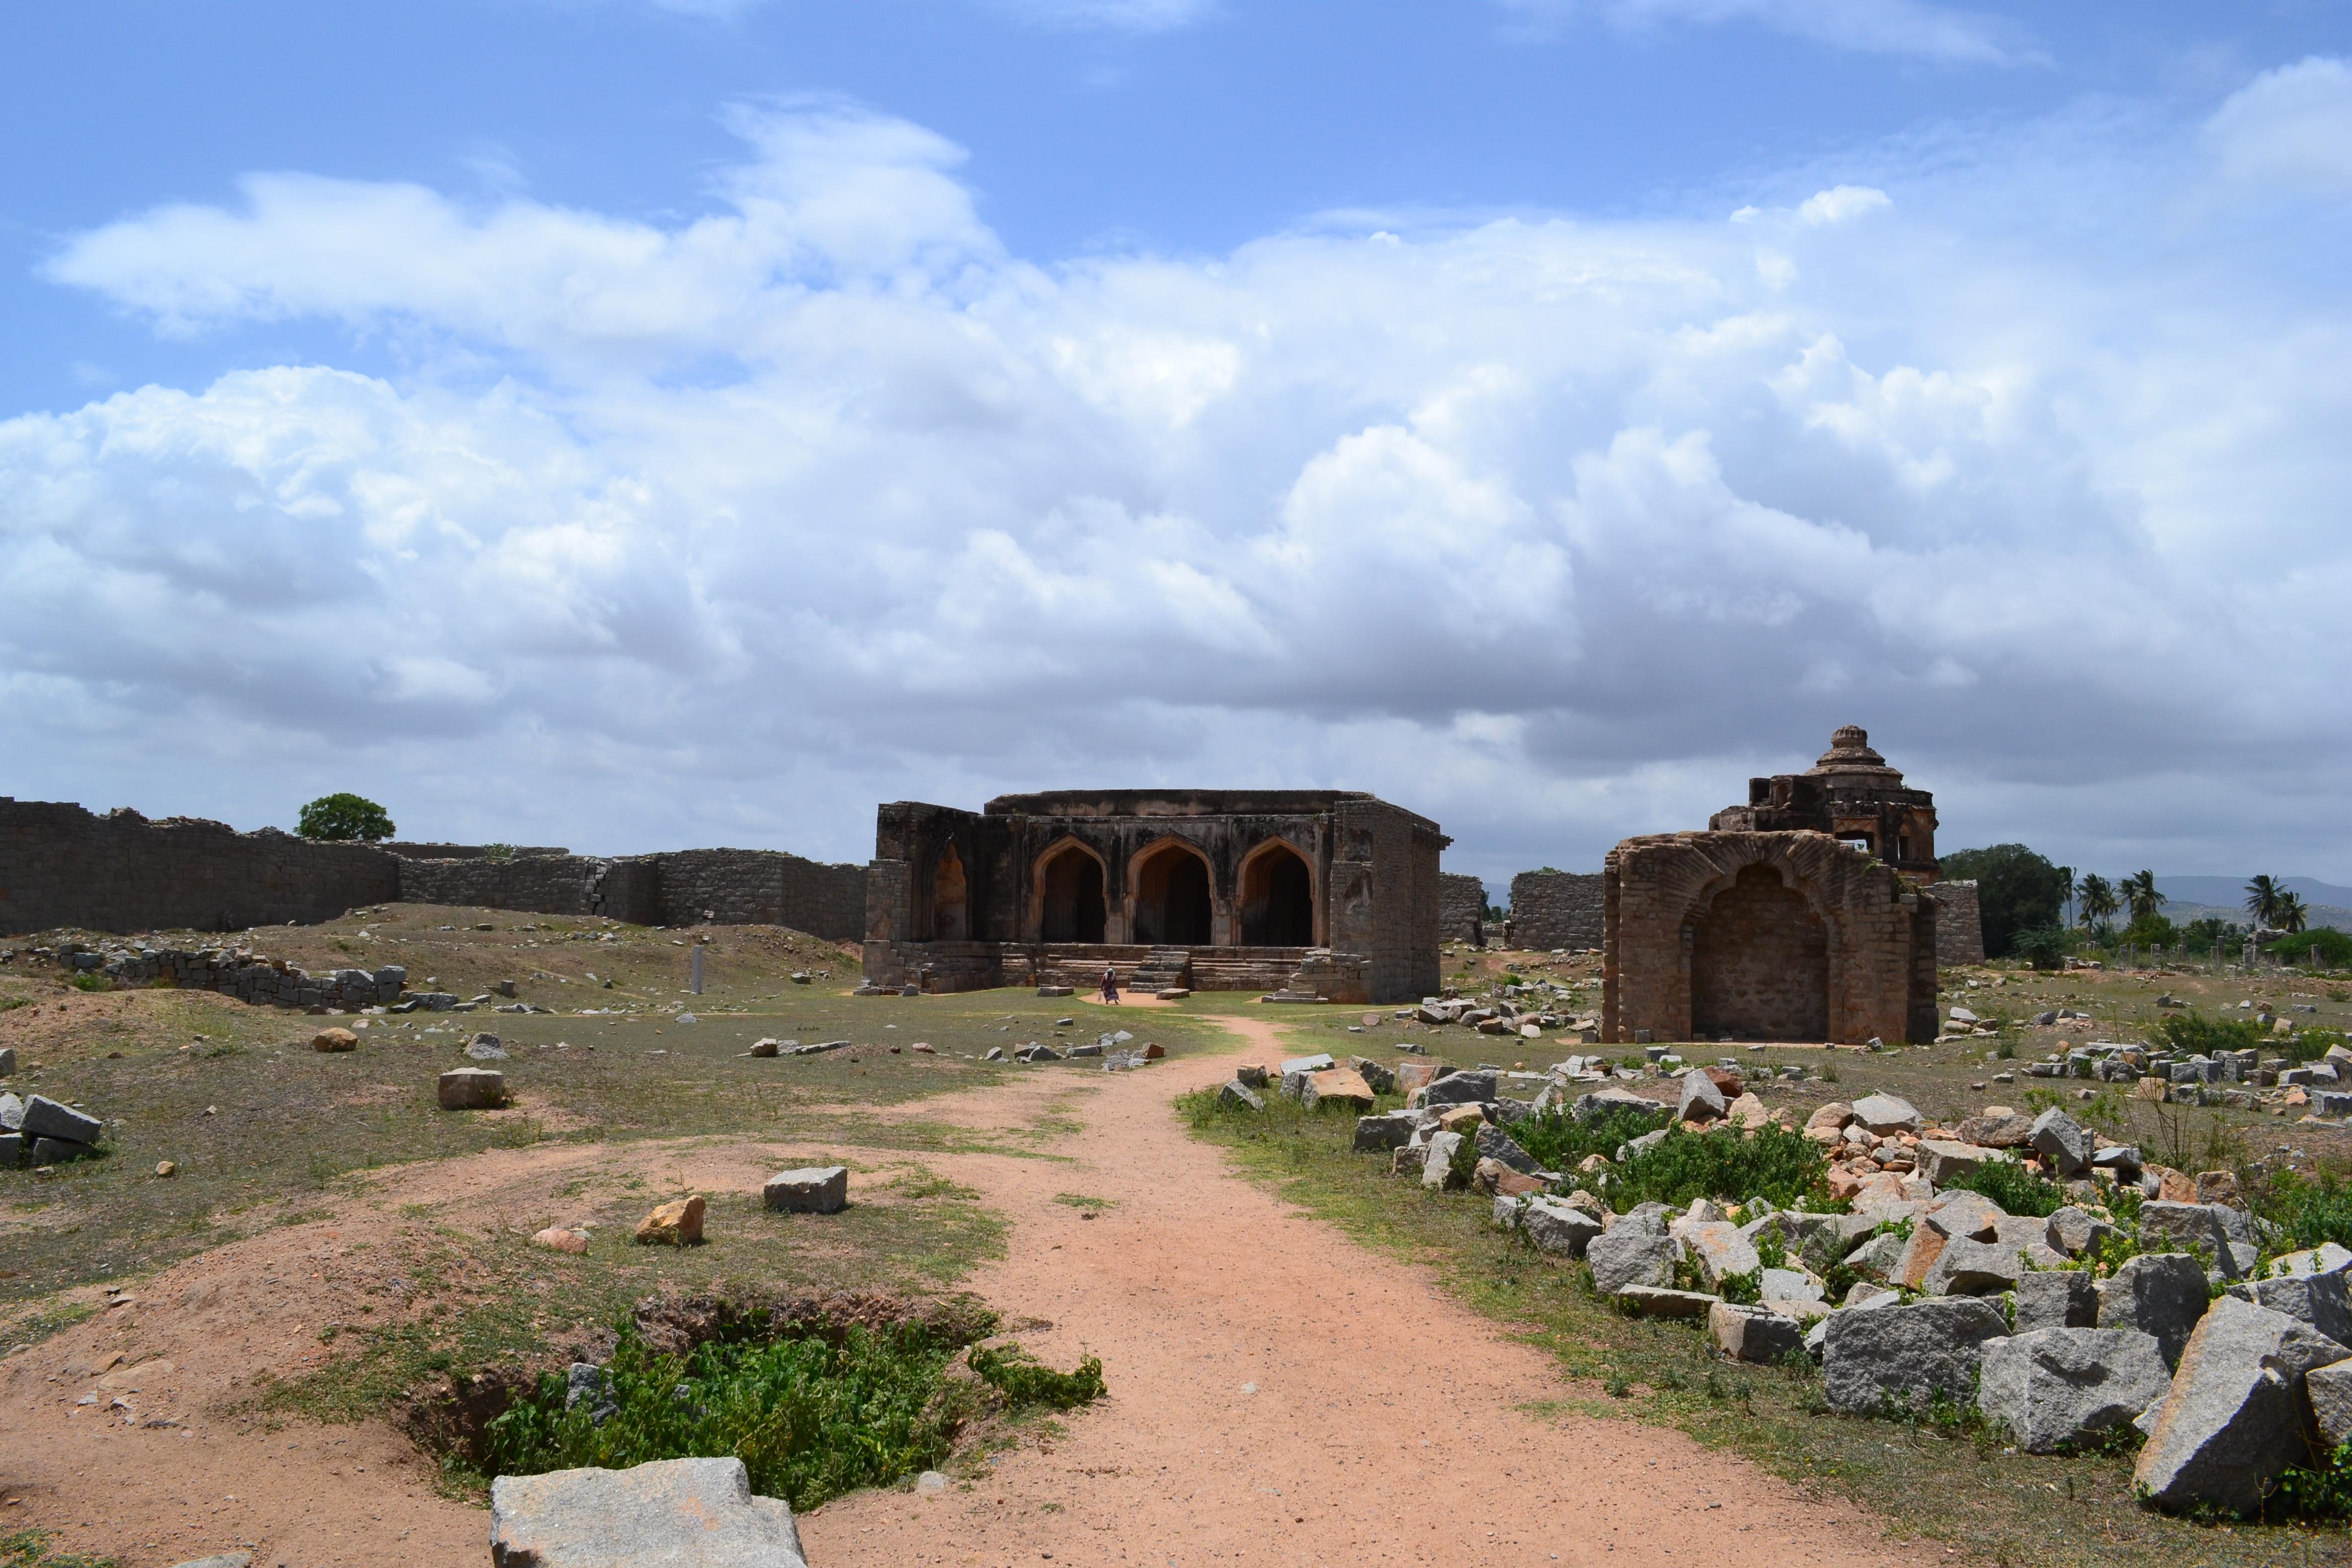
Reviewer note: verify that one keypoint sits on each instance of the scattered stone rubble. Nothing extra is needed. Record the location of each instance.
(237, 971)
(2059, 1329)
(40, 1132)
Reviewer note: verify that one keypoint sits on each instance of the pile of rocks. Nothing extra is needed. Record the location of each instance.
(1513, 1010)
(233, 971)
(40, 1132)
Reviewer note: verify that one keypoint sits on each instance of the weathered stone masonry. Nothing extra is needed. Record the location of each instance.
(62, 865)
(1461, 905)
(1211, 888)
(1553, 910)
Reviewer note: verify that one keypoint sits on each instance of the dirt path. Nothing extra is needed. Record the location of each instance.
(1279, 1395)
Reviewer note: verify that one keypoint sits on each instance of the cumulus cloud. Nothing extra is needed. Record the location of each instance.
(2289, 131)
(724, 527)
(1905, 27)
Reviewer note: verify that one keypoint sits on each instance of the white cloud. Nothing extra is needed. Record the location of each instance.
(2288, 131)
(1113, 15)
(728, 527)
(1905, 27)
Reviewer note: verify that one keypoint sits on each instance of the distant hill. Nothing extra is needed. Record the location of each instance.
(2229, 892)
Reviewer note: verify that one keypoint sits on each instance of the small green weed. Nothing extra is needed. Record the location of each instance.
(1731, 1166)
(30, 1549)
(2016, 1189)
(1080, 1201)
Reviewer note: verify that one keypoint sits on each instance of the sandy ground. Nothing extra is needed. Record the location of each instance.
(1278, 1395)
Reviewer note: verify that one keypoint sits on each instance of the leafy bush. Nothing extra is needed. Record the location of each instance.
(1726, 1164)
(2016, 1189)
(1559, 1142)
(2335, 947)
(2195, 1032)
(810, 1419)
(344, 818)
(2308, 1210)
(2044, 947)
(2017, 891)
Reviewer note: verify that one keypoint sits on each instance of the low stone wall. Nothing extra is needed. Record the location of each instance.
(1461, 906)
(761, 886)
(233, 971)
(62, 865)
(1557, 909)
(551, 885)
(1960, 924)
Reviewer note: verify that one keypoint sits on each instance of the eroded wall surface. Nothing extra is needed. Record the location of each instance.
(1557, 909)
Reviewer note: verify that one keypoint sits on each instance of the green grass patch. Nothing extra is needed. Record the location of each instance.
(30, 1549)
(2016, 1189)
(1559, 1141)
(1725, 1163)
(1080, 1201)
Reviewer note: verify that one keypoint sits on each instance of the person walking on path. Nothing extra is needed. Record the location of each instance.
(1110, 985)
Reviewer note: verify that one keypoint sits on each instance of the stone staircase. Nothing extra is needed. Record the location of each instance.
(1167, 969)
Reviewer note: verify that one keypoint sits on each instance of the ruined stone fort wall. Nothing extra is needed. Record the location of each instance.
(1959, 923)
(62, 865)
(1557, 909)
(1461, 904)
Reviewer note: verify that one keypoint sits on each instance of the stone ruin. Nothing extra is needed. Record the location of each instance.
(1310, 894)
(1810, 913)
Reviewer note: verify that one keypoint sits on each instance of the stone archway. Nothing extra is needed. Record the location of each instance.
(1759, 962)
(1173, 902)
(950, 908)
(1277, 903)
(1070, 895)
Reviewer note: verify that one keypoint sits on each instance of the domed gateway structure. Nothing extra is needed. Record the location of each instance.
(1812, 913)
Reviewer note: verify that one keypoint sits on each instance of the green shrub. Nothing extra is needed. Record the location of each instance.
(810, 1419)
(2016, 1189)
(2319, 1491)
(2308, 1210)
(1726, 1164)
(1559, 1142)
(2335, 947)
(2195, 1032)
(2017, 891)
(2044, 947)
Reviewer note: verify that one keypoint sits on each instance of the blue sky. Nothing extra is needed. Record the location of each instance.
(632, 426)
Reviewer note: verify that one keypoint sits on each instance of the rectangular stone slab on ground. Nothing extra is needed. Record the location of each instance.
(816, 1189)
(45, 1118)
(472, 1089)
(671, 1513)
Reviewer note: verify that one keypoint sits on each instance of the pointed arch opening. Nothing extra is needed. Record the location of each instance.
(1172, 902)
(1277, 897)
(1070, 895)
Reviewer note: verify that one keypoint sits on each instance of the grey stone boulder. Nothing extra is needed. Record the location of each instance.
(1320, 1062)
(1437, 1165)
(220, 1560)
(2056, 1298)
(1589, 1106)
(45, 1118)
(1822, 1240)
(2324, 1302)
(2188, 1228)
(1878, 1258)
(1557, 1228)
(2064, 1141)
(1460, 1088)
(1792, 1285)
(1943, 1159)
(1965, 1216)
(2235, 1418)
(472, 1089)
(817, 1189)
(13, 1151)
(2325, 1259)
(1391, 1130)
(486, 1048)
(2055, 1386)
(1234, 1094)
(2158, 1293)
(2007, 1131)
(2328, 1389)
(1879, 1358)
(1250, 1077)
(1632, 1253)
(2075, 1231)
(1967, 1267)
(1753, 1333)
(1496, 1144)
(1701, 1100)
(12, 1113)
(1720, 1250)
(1659, 1302)
(671, 1513)
(57, 1151)
(1886, 1113)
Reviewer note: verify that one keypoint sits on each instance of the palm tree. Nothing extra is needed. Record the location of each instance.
(2097, 897)
(2139, 892)
(2290, 915)
(2263, 895)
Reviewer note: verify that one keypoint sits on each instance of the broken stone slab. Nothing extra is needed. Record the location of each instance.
(1791, 1285)
(1822, 1240)
(1600, 1102)
(1250, 1077)
(472, 1089)
(670, 1513)
(1886, 1358)
(2158, 1293)
(2055, 1386)
(1880, 1258)
(2056, 1299)
(2328, 1391)
(1660, 1301)
(1997, 1128)
(1336, 1087)
(1720, 1250)
(1701, 1100)
(677, 1223)
(2075, 1231)
(1437, 1165)
(2065, 1143)
(1090, 1048)
(57, 1151)
(1943, 1159)
(1966, 1268)
(45, 1118)
(2234, 1416)
(1382, 1079)
(2189, 1227)
(2322, 1301)
(1460, 1089)
(815, 1189)
(1558, 1229)
(2325, 1259)
(1391, 1130)
(1754, 1333)
(1964, 1215)
(1632, 1253)
(1494, 1144)
(1886, 1113)
(219, 1559)
(13, 1151)
(1235, 1094)
(486, 1048)
(1320, 1061)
